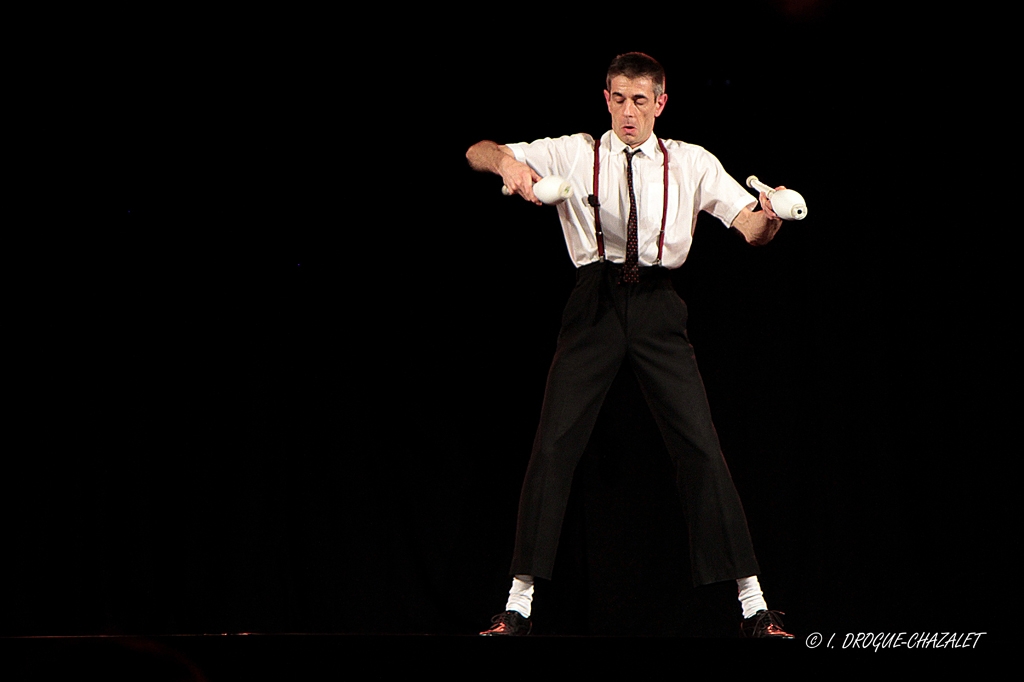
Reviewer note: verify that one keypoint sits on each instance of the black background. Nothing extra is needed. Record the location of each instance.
(282, 366)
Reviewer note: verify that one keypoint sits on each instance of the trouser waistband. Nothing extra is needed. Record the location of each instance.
(646, 271)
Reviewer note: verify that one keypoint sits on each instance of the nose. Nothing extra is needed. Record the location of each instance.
(629, 108)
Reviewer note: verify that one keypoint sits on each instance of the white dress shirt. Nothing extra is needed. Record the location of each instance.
(697, 182)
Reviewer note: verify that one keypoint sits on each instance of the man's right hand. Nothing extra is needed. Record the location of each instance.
(499, 159)
(519, 178)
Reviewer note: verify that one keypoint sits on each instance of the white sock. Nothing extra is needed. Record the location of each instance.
(750, 596)
(520, 597)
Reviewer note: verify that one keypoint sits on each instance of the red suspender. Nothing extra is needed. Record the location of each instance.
(664, 202)
(593, 201)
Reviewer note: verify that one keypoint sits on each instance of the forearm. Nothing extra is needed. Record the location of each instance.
(496, 158)
(487, 156)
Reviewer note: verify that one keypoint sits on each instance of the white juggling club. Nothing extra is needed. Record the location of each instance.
(550, 190)
(787, 203)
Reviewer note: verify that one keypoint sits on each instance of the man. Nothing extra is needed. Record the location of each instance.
(629, 221)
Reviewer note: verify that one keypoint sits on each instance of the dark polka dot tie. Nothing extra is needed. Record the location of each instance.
(631, 268)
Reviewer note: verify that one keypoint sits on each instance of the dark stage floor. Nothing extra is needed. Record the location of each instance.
(213, 658)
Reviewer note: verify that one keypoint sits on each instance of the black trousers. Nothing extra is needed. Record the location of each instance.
(604, 324)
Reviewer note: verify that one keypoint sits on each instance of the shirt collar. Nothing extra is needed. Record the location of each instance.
(649, 147)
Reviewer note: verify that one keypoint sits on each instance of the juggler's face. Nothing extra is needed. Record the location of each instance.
(633, 107)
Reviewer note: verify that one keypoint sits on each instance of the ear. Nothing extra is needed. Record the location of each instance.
(661, 103)
(608, 100)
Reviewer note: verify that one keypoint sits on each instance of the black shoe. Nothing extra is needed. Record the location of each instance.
(510, 623)
(764, 624)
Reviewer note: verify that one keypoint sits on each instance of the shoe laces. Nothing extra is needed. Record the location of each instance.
(505, 617)
(770, 620)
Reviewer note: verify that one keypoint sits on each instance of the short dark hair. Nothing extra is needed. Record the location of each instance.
(635, 65)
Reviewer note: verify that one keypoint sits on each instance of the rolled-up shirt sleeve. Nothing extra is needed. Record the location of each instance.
(547, 156)
(720, 194)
